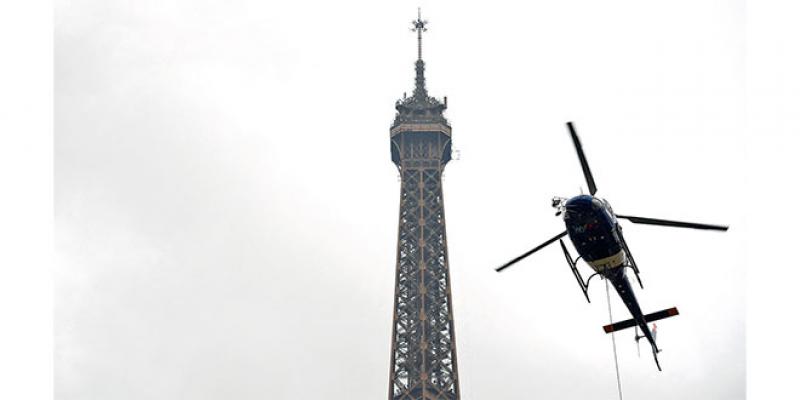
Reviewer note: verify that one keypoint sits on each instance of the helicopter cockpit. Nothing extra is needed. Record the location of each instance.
(591, 227)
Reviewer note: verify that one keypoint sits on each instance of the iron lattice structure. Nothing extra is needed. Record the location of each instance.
(423, 356)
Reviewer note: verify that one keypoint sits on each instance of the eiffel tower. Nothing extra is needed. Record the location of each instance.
(423, 357)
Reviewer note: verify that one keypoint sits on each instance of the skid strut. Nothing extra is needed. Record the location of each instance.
(631, 261)
(572, 265)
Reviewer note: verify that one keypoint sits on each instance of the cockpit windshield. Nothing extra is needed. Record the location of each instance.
(590, 227)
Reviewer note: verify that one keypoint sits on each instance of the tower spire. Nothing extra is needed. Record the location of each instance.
(419, 27)
(420, 107)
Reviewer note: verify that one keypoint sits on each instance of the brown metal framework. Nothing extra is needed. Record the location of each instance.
(423, 356)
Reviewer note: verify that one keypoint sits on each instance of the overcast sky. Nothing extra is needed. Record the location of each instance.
(226, 206)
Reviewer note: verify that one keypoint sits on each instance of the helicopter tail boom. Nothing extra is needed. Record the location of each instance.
(617, 326)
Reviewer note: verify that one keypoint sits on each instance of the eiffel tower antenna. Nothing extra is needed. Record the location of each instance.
(419, 27)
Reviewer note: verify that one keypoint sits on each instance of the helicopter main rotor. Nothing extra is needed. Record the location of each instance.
(587, 173)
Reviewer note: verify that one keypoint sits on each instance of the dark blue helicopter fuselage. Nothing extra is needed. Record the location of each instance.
(593, 230)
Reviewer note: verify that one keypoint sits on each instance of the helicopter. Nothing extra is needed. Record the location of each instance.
(595, 232)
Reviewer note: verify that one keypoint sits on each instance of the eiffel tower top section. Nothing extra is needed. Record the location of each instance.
(420, 112)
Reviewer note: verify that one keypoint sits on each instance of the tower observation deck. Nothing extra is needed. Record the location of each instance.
(423, 356)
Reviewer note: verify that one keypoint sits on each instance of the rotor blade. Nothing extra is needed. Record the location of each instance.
(535, 249)
(676, 224)
(587, 173)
